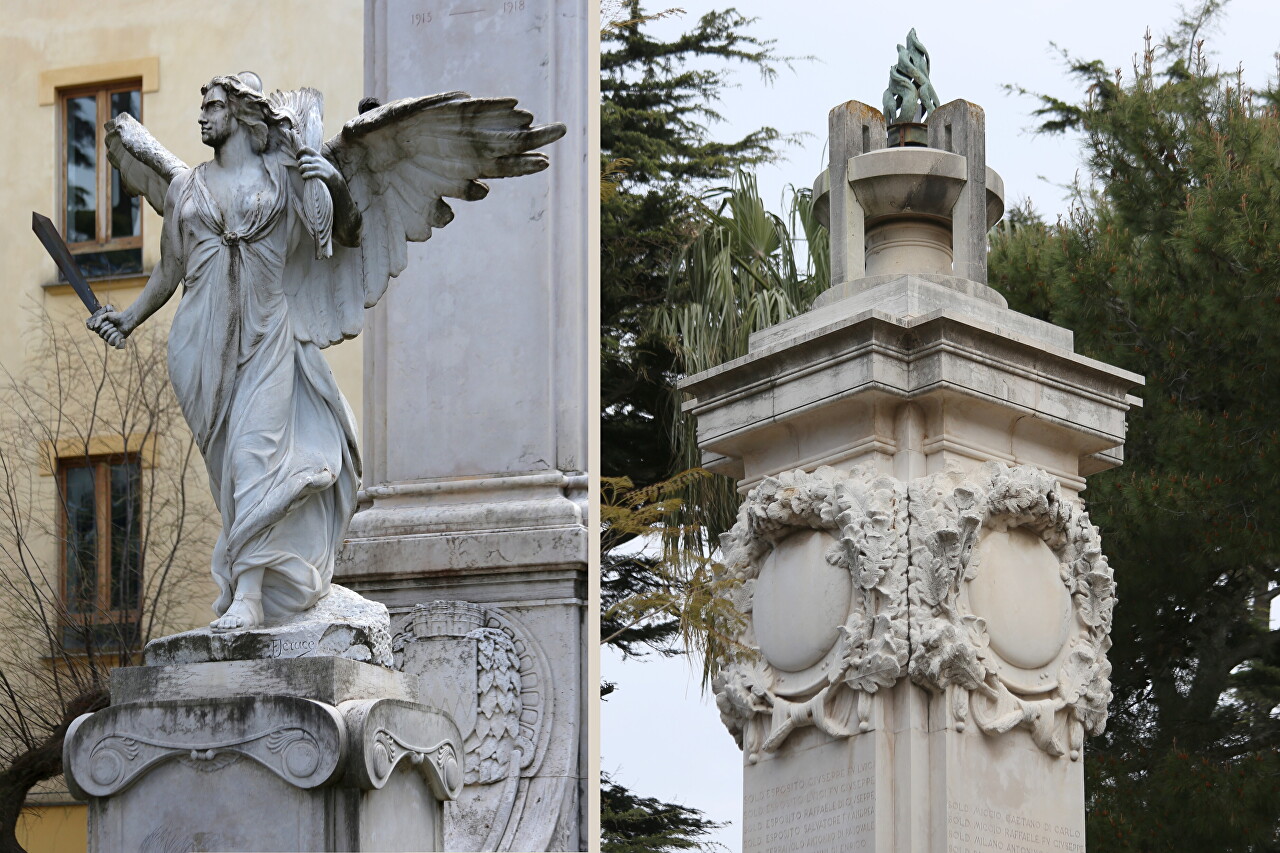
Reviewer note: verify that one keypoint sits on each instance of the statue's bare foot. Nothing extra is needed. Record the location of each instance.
(245, 612)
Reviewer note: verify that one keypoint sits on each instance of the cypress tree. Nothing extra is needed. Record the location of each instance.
(1169, 265)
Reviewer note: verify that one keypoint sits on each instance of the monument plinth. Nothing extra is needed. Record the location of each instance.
(187, 755)
(925, 603)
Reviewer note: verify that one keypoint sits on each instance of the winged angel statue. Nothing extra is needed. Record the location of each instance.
(281, 244)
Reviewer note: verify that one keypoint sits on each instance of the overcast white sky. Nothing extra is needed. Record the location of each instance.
(660, 737)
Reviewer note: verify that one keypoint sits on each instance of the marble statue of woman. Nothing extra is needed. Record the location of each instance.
(281, 244)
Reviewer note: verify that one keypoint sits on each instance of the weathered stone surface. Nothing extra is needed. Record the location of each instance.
(475, 484)
(443, 528)
(265, 772)
(908, 209)
(324, 679)
(502, 692)
(817, 794)
(855, 288)
(342, 624)
(1050, 678)
(805, 543)
(813, 655)
(985, 391)
(297, 740)
(855, 128)
(961, 127)
(897, 182)
(907, 787)
(276, 435)
(908, 297)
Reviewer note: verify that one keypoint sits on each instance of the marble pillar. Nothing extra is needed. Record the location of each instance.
(475, 419)
(926, 605)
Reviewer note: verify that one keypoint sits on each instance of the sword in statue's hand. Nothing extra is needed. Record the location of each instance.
(61, 255)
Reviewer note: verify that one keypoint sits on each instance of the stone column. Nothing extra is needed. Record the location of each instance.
(475, 406)
(855, 128)
(925, 603)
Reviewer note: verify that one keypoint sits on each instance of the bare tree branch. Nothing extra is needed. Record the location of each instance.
(74, 400)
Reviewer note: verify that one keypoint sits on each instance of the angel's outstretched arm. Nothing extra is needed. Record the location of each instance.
(164, 280)
(167, 275)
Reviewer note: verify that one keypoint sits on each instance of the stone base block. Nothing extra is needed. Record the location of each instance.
(1004, 793)
(328, 680)
(342, 624)
(817, 795)
(914, 782)
(180, 766)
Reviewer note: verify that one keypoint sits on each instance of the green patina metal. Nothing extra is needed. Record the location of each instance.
(910, 96)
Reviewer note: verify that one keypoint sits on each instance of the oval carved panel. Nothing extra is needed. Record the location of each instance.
(801, 601)
(1019, 592)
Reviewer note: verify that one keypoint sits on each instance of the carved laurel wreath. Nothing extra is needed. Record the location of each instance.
(950, 647)
(866, 515)
(513, 709)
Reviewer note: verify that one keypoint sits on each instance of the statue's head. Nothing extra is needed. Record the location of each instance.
(236, 100)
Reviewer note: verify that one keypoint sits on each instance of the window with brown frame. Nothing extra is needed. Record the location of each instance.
(101, 223)
(101, 550)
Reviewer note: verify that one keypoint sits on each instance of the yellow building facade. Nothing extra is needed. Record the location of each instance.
(67, 66)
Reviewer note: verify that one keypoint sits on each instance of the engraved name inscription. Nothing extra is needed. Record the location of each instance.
(292, 648)
(828, 811)
(975, 828)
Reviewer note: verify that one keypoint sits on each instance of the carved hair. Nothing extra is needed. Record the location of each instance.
(250, 107)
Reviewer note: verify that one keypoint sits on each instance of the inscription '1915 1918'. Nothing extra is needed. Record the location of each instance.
(480, 8)
(827, 811)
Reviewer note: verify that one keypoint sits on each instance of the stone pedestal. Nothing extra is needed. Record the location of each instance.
(906, 788)
(926, 607)
(475, 427)
(316, 754)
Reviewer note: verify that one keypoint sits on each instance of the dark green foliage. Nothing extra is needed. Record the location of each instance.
(1169, 266)
(658, 100)
(657, 104)
(739, 273)
(658, 158)
(631, 824)
(630, 577)
(1175, 800)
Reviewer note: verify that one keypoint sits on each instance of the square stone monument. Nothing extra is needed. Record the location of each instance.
(925, 603)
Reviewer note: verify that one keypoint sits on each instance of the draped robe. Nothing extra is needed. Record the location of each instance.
(278, 438)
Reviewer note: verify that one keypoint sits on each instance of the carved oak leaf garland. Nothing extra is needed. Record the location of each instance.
(866, 514)
(908, 549)
(950, 647)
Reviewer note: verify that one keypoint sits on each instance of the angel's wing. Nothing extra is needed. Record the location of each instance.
(146, 167)
(401, 160)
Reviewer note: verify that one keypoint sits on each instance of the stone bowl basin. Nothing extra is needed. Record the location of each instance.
(908, 182)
